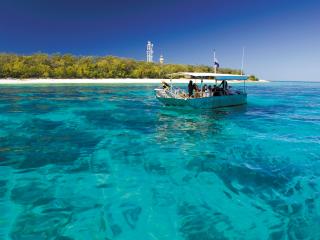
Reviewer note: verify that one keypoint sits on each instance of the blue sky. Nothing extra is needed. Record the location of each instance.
(281, 38)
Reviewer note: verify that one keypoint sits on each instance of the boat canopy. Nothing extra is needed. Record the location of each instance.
(216, 76)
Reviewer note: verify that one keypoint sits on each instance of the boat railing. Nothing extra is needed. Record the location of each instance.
(171, 93)
(178, 93)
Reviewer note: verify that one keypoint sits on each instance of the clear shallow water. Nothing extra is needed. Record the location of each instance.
(102, 162)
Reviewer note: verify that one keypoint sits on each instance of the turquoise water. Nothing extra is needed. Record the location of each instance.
(109, 162)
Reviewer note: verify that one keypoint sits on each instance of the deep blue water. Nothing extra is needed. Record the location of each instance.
(109, 162)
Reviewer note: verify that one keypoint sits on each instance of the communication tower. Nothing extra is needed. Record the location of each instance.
(161, 60)
(149, 51)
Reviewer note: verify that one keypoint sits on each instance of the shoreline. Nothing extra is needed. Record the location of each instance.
(105, 81)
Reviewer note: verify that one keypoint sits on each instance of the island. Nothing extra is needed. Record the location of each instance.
(64, 68)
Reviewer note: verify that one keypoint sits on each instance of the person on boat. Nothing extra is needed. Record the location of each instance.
(207, 91)
(165, 85)
(204, 90)
(195, 87)
(216, 91)
(210, 91)
(224, 86)
(197, 90)
(204, 87)
(190, 88)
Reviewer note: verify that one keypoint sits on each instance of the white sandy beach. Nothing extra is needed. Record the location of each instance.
(102, 81)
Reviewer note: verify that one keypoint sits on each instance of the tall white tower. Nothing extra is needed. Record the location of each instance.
(161, 60)
(149, 52)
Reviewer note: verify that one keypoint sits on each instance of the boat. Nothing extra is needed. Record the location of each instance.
(223, 96)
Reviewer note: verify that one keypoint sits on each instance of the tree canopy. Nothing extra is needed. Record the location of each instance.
(253, 78)
(69, 66)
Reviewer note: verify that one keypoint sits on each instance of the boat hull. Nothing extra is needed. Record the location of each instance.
(207, 102)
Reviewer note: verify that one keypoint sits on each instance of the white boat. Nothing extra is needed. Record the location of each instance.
(226, 97)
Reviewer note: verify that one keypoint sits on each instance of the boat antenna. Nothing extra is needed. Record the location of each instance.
(215, 65)
(214, 61)
(242, 62)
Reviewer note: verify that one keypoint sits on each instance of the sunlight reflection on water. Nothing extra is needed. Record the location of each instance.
(101, 162)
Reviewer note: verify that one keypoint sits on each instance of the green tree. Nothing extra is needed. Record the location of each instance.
(42, 65)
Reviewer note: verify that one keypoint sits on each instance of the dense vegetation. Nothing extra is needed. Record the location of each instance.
(69, 66)
(253, 78)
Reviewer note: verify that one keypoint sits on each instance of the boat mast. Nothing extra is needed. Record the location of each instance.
(214, 64)
(242, 61)
(214, 61)
(242, 64)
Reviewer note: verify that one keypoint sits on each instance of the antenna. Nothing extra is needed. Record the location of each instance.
(242, 62)
(214, 61)
(161, 60)
(214, 64)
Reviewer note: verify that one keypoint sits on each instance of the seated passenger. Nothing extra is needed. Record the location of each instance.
(216, 91)
(204, 90)
(165, 85)
(195, 87)
(196, 90)
(204, 87)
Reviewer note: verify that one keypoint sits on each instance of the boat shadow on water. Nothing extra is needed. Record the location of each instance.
(195, 123)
